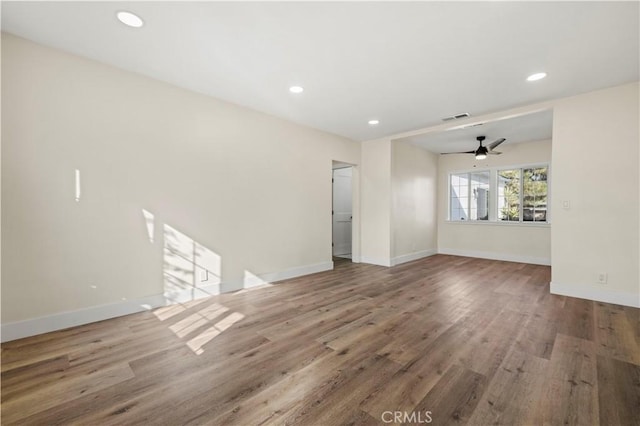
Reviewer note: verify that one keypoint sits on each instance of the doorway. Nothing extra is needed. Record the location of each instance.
(342, 210)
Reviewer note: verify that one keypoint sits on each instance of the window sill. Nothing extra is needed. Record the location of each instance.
(496, 223)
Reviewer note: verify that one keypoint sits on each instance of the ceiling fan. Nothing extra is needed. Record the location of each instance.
(482, 151)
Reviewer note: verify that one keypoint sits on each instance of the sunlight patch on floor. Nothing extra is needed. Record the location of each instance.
(212, 332)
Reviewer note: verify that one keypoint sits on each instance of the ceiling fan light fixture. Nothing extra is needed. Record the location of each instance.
(481, 153)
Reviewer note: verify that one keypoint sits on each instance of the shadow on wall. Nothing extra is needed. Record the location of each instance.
(191, 273)
(190, 270)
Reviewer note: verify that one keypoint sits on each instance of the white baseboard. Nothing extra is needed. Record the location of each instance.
(258, 280)
(375, 261)
(412, 256)
(508, 257)
(599, 295)
(189, 294)
(62, 320)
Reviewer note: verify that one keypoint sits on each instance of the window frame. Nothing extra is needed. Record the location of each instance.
(493, 217)
(469, 196)
(522, 194)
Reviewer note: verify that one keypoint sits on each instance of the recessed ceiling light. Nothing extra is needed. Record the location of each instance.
(374, 122)
(130, 19)
(537, 76)
(296, 89)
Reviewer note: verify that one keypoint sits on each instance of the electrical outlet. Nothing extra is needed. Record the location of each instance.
(602, 278)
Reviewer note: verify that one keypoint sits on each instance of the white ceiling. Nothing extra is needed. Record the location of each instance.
(526, 128)
(407, 64)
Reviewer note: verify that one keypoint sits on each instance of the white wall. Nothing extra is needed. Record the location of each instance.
(245, 195)
(413, 202)
(595, 157)
(375, 202)
(504, 241)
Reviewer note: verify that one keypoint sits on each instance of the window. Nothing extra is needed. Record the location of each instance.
(509, 195)
(459, 199)
(525, 187)
(469, 196)
(534, 194)
(479, 197)
(519, 195)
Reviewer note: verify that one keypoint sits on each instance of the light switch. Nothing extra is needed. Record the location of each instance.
(566, 205)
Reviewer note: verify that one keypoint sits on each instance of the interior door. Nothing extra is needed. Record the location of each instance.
(342, 212)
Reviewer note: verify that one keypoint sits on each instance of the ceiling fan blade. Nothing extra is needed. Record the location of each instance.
(495, 143)
(494, 153)
(464, 152)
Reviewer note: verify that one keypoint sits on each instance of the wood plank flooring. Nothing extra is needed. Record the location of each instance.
(466, 341)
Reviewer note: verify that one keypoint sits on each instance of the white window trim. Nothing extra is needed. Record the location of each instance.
(499, 223)
(493, 196)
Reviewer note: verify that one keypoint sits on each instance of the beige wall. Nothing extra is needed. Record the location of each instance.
(375, 202)
(247, 196)
(413, 202)
(231, 190)
(506, 241)
(595, 158)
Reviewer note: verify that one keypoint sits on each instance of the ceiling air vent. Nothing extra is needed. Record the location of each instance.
(456, 117)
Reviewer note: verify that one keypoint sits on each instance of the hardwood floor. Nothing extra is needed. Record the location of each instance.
(449, 339)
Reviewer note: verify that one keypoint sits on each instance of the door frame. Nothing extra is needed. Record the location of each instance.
(355, 209)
